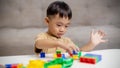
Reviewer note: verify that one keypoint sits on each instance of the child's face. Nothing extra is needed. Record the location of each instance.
(57, 26)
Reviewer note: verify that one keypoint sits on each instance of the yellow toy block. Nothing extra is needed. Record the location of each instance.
(19, 65)
(75, 57)
(55, 66)
(54, 56)
(36, 64)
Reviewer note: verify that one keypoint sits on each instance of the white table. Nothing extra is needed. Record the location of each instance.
(110, 59)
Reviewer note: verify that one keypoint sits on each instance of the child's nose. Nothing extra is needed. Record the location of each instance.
(62, 29)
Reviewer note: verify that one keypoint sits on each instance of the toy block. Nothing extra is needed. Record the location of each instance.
(98, 57)
(58, 52)
(14, 65)
(55, 66)
(8, 65)
(35, 64)
(59, 55)
(23, 67)
(75, 57)
(70, 54)
(74, 52)
(90, 58)
(79, 54)
(64, 62)
(63, 56)
(42, 55)
(87, 60)
(19, 65)
(54, 56)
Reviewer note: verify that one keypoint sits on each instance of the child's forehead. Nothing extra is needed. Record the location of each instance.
(57, 16)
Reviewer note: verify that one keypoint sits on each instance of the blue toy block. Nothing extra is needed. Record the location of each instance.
(63, 56)
(42, 55)
(74, 52)
(98, 57)
(8, 65)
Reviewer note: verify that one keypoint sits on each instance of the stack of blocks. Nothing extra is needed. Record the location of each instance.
(58, 53)
(90, 58)
(75, 55)
(14, 66)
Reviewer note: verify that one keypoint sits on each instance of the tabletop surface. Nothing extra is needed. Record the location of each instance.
(110, 59)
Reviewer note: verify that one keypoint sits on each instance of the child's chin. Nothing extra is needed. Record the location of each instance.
(59, 36)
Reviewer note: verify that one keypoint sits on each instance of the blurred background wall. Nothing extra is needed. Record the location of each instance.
(22, 20)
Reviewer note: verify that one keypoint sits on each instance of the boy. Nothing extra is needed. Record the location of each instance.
(58, 19)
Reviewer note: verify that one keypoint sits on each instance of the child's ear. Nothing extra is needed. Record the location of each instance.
(46, 20)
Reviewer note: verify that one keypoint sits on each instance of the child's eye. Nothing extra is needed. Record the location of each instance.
(59, 25)
(66, 26)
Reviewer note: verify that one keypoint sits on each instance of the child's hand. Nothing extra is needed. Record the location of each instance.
(69, 47)
(97, 37)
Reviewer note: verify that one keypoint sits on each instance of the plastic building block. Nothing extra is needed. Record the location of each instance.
(79, 54)
(42, 55)
(70, 54)
(59, 55)
(36, 64)
(75, 57)
(87, 60)
(90, 58)
(98, 57)
(65, 63)
(23, 67)
(14, 65)
(20, 65)
(54, 56)
(63, 56)
(8, 65)
(74, 52)
(58, 52)
(55, 66)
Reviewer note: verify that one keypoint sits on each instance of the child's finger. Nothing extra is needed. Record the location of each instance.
(92, 32)
(69, 50)
(104, 41)
(77, 48)
(102, 33)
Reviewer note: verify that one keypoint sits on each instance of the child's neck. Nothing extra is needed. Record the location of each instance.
(53, 35)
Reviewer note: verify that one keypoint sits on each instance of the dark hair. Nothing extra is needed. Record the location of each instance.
(59, 7)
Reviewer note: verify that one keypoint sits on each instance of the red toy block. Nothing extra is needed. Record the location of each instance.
(59, 55)
(87, 60)
(71, 55)
(14, 65)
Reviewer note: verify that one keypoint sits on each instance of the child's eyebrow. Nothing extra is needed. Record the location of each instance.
(69, 23)
(63, 23)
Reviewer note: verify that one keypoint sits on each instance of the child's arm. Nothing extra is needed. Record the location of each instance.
(95, 39)
(43, 43)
